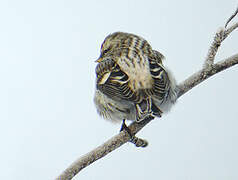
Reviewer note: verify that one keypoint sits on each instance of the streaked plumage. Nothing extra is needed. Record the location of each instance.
(131, 81)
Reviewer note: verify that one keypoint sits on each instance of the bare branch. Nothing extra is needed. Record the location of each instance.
(232, 16)
(203, 74)
(208, 70)
(220, 36)
(230, 29)
(99, 152)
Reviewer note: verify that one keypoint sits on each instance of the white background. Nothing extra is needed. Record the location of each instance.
(47, 80)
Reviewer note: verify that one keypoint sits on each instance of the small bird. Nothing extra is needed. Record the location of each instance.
(131, 81)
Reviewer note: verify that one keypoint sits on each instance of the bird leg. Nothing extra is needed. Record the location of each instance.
(125, 127)
(143, 109)
(135, 140)
(156, 110)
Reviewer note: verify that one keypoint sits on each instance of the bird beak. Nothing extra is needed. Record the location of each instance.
(99, 60)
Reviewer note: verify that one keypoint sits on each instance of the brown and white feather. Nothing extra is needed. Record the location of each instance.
(129, 73)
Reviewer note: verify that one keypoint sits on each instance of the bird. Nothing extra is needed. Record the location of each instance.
(131, 81)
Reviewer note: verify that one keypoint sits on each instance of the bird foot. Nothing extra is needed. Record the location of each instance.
(146, 119)
(138, 142)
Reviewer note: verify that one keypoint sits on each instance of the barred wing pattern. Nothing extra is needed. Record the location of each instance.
(161, 80)
(113, 82)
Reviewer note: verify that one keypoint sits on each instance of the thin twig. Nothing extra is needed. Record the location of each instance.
(220, 36)
(230, 29)
(203, 74)
(232, 16)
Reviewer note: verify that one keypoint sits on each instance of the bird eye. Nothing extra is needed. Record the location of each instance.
(105, 51)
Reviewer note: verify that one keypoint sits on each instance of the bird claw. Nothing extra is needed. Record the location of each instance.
(138, 142)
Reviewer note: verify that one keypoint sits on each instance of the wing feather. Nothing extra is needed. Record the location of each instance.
(113, 82)
(160, 77)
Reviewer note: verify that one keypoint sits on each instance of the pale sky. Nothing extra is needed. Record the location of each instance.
(47, 77)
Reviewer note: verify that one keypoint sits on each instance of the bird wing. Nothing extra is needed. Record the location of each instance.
(158, 56)
(113, 82)
(161, 80)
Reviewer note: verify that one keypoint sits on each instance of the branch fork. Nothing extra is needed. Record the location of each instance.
(220, 36)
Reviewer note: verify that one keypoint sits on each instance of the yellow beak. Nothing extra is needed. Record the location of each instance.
(99, 60)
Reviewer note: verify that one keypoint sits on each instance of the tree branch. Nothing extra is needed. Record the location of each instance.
(207, 71)
(220, 36)
(101, 151)
(232, 16)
